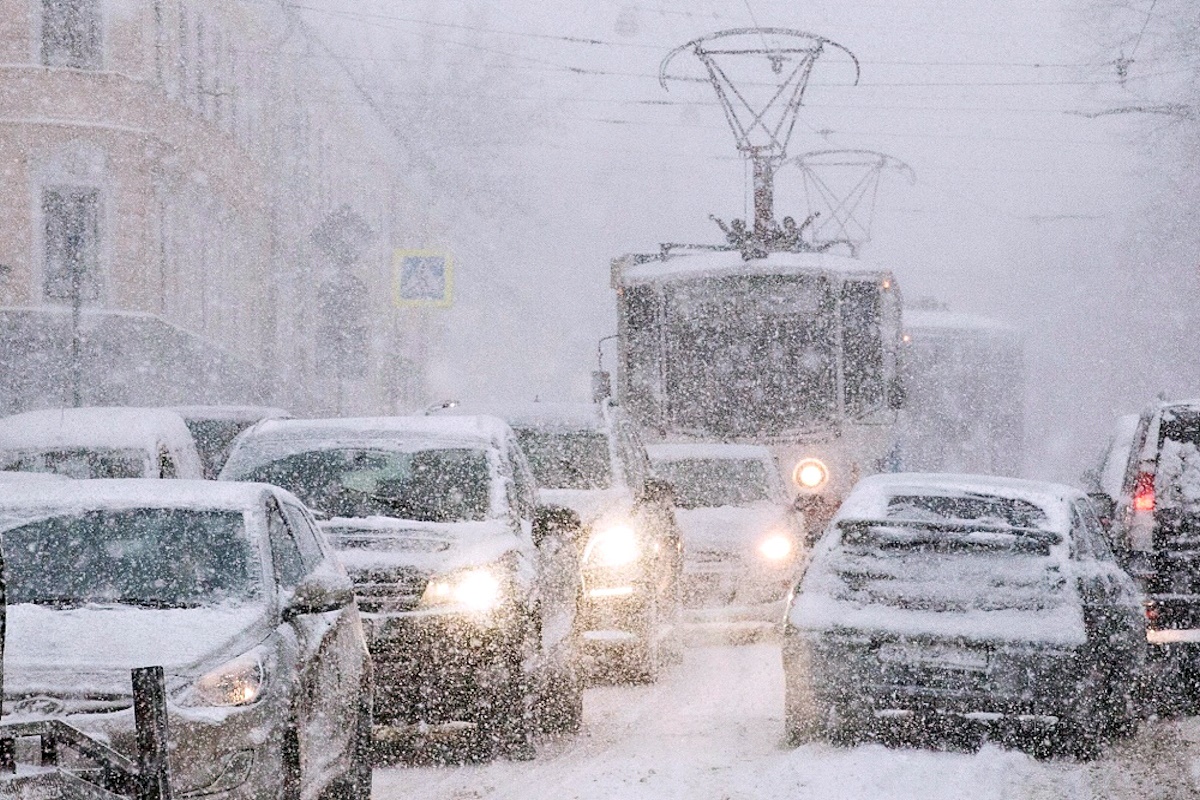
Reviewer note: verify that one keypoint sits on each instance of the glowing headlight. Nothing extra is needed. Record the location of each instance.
(473, 590)
(614, 546)
(235, 683)
(775, 547)
(811, 473)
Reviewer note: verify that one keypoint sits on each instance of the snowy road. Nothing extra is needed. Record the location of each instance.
(711, 730)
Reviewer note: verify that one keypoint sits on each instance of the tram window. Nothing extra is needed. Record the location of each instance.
(862, 341)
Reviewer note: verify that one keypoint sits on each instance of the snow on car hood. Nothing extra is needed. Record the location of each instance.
(983, 597)
(90, 650)
(729, 529)
(590, 504)
(374, 542)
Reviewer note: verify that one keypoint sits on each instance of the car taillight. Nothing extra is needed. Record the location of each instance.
(1143, 492)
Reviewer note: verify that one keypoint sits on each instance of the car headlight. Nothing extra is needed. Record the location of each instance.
(612, 546)
(811, 473)
(477, 589)
(238, 682)
(776, 547)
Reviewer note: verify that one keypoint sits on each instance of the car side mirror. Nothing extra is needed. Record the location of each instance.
(556, 521)
(657, 490)
(315, 596)
(1104, 506)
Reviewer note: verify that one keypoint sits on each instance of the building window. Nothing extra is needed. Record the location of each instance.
(71, 33)
(72, 220)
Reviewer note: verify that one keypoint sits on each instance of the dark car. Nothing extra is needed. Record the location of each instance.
(978, 600)
(468, 588)
(1151, 484)
(588, 457)
(215, 427)
(231, 589)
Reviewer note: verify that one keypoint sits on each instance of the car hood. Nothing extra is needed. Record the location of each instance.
(592, 505)
(731, 529)
(90, 651)
(429, 547)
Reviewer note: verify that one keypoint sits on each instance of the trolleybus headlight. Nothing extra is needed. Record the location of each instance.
(811, 473)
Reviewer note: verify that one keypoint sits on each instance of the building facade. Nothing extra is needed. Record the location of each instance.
(165, 165)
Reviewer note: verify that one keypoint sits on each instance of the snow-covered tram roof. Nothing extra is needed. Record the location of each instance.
(687, 265)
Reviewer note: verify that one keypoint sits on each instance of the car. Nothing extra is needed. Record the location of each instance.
(215, 427)
(743, 541)
(101, 442)
(974, 599)
(469, 588)
(231, 589)
(588, 457)
(1152, 488)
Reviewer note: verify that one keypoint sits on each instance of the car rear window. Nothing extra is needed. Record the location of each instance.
(979, 508)
(1177, 482)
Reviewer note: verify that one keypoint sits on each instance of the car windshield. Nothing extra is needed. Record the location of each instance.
(713, 482)
(433, 485)
(567, 459)
(78, 462)
(148, 557)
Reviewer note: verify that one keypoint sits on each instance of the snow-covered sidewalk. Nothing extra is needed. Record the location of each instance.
(711, 730)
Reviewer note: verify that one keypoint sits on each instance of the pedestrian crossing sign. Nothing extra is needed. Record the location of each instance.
(422, 278)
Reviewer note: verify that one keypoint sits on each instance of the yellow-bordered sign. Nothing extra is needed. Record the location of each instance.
(422, 278)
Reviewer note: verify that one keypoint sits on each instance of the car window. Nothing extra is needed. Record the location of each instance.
(306, 537)
(1087, 534)
(289, 562)
(567, 459)
(166, 464)
(523, 494)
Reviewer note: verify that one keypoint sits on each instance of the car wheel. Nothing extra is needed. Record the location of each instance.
(355, 784)
(561, 706)
(643, 661)
(289, 751)
(504, 725)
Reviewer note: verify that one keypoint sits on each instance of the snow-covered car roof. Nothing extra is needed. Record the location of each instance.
(688, 265)
(562, 416)
(868, 500)
(109, 427)
(708, 451)
(113, 426)
(231, 413)
(278, 438)
(133, 492)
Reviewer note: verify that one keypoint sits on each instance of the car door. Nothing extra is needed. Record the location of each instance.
(1111, 603)
(655, 507)
(330, 653)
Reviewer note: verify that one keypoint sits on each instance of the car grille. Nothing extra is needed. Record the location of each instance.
(389, 590)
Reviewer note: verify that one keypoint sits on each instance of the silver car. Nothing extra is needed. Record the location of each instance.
(231, 589)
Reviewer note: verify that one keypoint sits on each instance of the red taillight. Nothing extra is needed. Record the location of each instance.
(1143, 492)
(1151, 613)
